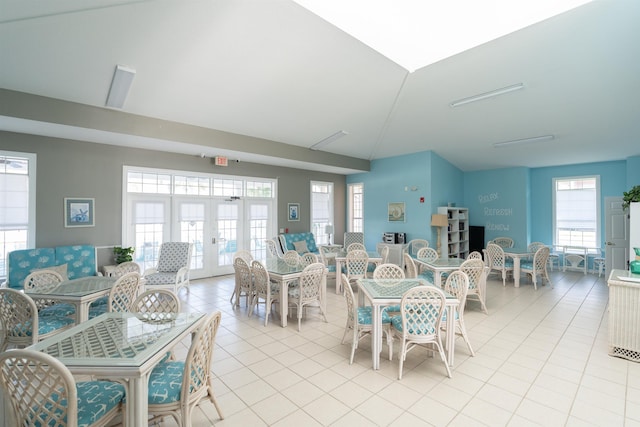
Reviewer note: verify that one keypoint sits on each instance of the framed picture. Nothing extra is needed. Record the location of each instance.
(396, 212)
(79, 212)
(294, 211)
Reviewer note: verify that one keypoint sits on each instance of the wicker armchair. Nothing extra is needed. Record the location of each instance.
(41, 388)
(42, 281)
(172, 272)
(308, 289)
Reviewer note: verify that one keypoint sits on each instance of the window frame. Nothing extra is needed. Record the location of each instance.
(597, 202)
(351, 219)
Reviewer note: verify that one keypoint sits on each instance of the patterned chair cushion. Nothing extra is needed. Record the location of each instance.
(59, 310)
(80, 260)
(46, 324)
(97, 310)
(365, 316)
(426, 275)
(165, 382)
(173, 256)
(160, 278)
(528, 264)
(95, 398)
(396, 322)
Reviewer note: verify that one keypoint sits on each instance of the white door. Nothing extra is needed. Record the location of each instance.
(193, 226)
(616, 235)
(228, 234)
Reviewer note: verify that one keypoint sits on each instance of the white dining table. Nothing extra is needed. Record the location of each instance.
(341, 257)
(439, 266)
(285, 274)
(121, 347)
(383, 292)
(516, 254)
(79, 292)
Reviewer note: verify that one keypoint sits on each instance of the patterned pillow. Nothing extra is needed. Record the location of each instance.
(301, 247)
(60, 269)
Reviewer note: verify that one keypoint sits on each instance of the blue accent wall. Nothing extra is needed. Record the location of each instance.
(498, 200)
(613, 177)
(515, 202)
(393, 179)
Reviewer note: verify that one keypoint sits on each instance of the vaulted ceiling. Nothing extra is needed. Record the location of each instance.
(274, 71)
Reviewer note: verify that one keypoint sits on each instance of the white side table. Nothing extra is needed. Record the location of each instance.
(108, 270)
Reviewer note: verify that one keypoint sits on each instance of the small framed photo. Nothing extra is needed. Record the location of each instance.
(294, 211)
(396, 212)
(79, 212)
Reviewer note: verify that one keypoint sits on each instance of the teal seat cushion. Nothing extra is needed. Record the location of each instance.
(365, 316)
(95, 399)
(526, 264)
(59, 310)
(97, 310)
(46, 324)
(165, 382)
(426, 275)
(396, 322)
(508, 263)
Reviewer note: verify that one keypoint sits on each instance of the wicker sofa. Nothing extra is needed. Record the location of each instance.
(298, 242)
(72, 262)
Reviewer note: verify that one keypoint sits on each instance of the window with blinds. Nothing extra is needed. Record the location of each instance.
(17, 203)
(322, 211)
(577, 211)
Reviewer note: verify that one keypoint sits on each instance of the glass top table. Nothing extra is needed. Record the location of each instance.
(79, 292)
(384, 292)
(439, 266)
(121, 346)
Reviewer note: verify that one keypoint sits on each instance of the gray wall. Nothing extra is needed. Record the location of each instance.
(80, 169)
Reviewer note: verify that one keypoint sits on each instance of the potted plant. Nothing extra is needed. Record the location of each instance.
(630, 196)
(122, 254)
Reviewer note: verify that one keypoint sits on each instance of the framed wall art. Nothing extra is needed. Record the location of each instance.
(396, 212)
(294, 211)
(79, 212)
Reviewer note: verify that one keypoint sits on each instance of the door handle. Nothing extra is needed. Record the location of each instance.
(213, 240)
(609, 243)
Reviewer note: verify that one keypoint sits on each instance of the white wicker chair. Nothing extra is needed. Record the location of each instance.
(356, 247)
(121, 297)
(476, 271)
(308, 259)
(20, 321)
(172, 271)
(272, 248)
(43, 281)
(537, 267)
(498, 261)
(503, 242)
(388, 271)
(359, 322)
(356, 263)
(457, 284)
(410, 266)
(244, 282)
(291, 258)
(42, 388)
(126, 267)
(263, 289)
(415, 245)
(418, 324)
(194, 375)
(247, 258)
(157, 302)
(308, 289)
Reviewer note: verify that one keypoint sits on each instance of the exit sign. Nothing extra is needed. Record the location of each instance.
(221, 161)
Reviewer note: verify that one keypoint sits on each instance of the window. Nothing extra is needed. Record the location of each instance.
(355, 220)
(17, 203)
(577, 211)
(322, 211)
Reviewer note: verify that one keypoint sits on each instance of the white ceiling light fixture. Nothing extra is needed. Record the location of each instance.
(532, 140)
(120, 85)
(328, 140)
(487, 95)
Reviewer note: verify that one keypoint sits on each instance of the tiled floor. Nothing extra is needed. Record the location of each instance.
(541, 359)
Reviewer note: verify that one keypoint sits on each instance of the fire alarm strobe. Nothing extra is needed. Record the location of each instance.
(221, 161)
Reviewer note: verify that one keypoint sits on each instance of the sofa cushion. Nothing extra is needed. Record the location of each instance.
(22, 262)
(80, 260)
(287, 241)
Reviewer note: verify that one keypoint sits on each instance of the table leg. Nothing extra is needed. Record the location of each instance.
(284, 302)
(338, 276)
(137, 408)
(82, 312)
(437, 279)
(376, 335)
(451, 334)
(516, 271)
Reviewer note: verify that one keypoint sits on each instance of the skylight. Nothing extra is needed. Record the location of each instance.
(416, 33)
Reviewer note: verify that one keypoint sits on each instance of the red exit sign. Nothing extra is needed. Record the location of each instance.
(221, 161)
